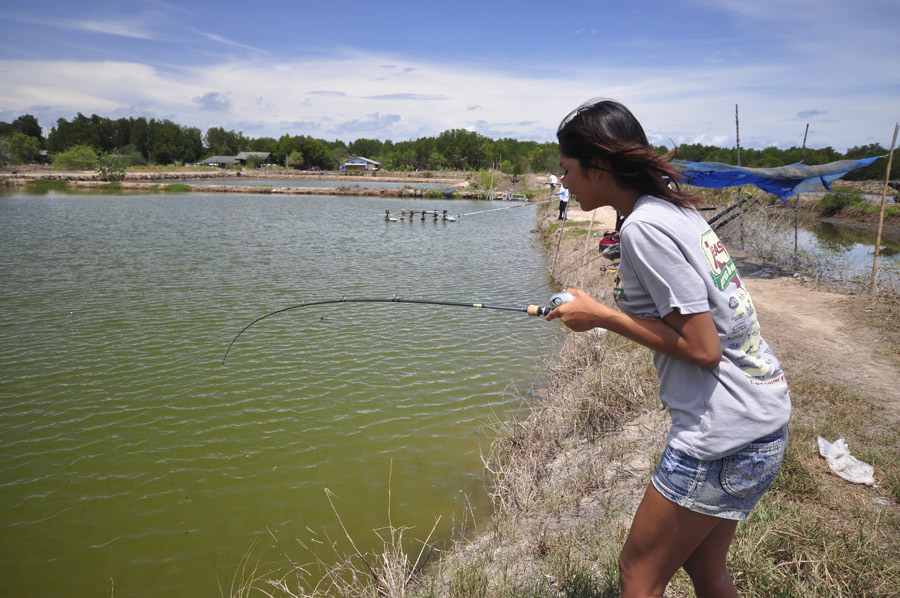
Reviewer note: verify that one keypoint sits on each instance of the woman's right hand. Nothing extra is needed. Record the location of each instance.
(580, 314)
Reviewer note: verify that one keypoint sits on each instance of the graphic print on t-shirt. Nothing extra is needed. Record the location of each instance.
(722, 267)
(745, 332)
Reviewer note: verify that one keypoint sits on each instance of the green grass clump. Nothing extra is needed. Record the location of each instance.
(571, 230)
(177, 188)
(840, 199)
(439, 194)
(46, 184)
(469, 581)
(850, 201)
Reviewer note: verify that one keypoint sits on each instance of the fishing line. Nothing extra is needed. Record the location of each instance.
(532, 203)
(562, 228)
(574, 265)
(532, 310)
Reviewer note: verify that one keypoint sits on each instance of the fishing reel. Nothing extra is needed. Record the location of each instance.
(556, 300)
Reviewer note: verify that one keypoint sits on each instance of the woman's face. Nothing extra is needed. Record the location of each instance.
(584, 184)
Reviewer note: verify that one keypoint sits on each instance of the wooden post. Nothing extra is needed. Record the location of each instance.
(587, 243)
(887, 179)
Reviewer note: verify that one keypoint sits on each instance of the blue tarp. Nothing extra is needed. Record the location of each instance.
(783, 181)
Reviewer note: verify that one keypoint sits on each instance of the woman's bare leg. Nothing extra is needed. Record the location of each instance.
(706, 566)
(664, 537)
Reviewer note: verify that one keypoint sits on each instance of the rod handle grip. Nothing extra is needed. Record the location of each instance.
(537, 310)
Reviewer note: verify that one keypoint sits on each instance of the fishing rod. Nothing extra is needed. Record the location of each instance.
(532, 310)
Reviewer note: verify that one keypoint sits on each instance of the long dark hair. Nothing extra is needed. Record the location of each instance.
(602, 128)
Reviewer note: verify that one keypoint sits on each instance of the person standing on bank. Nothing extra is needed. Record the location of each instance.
(679, 293)
(563, 194)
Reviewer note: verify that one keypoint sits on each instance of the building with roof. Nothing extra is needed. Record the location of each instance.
(266, 157)
(220, 161)
(361, 163)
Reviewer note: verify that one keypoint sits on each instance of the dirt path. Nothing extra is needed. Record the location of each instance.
(815, 331)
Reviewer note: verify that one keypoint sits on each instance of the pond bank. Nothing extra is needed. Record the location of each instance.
(567, 477)
(152, 182)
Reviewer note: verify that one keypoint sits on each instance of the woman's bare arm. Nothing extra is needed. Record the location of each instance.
(689, 337)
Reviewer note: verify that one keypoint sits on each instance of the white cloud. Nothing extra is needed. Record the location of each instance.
(213, 101)
(228, 42)
(368, 125)
(124, 28)
(342, 96)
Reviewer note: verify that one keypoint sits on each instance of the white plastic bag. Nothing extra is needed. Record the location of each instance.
(844, 464)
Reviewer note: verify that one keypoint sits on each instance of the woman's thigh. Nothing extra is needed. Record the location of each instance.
(663, 537)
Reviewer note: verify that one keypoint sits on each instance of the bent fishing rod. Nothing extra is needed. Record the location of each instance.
(532, 310)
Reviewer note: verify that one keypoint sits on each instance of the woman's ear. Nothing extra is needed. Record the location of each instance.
(600, 165)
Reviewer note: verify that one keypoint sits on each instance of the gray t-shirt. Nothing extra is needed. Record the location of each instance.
(671, 259)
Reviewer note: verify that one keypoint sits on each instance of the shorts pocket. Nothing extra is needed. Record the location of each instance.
(751, 470)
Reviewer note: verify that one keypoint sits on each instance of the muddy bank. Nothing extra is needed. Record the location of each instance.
(185, 187)
(15, 174)
(151, 182)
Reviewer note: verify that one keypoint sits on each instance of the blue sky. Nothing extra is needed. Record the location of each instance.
(402, 70)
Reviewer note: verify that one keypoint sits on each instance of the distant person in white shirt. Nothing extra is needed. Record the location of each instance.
(563, 194)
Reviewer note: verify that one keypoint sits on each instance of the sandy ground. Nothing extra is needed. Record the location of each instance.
(816, 331)
(604, 218)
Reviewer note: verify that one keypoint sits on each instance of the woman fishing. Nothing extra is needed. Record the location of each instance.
(679, 294)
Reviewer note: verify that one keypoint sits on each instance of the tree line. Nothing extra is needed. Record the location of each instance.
(85, 141)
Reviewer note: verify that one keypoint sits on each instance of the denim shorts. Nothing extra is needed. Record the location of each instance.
(728, 487)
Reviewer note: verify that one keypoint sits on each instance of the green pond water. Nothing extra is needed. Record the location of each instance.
(134, 463)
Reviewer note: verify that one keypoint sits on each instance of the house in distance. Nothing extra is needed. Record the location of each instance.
(361, 163)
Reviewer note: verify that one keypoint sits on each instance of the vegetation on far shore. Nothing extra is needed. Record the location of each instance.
(85, 142)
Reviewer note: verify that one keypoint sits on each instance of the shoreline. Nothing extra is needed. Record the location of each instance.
(152, 182)
(534, 185)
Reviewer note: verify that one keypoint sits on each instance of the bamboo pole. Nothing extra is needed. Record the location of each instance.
(887, 179)
(797, 207)
(737, 136)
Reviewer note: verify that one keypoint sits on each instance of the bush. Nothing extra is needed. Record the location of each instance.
(254, 161)
(22, 148)
(111, 167)
(839, 199)
(77, 157)
(295, 160)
